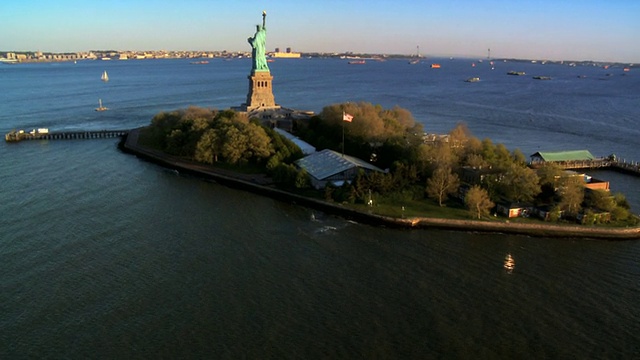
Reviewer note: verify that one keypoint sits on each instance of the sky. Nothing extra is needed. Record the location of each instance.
(599, 30)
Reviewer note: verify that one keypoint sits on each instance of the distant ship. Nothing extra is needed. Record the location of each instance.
(104, 76)
(8, 61)
(357, 62)
(286, 55)
(542, 77)
(473, 79)
(100, 107)
(517, 73)
(435, 66)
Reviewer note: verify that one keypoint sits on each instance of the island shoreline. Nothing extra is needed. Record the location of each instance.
(257, 184)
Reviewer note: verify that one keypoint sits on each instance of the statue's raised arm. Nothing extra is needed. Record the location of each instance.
(258, 44)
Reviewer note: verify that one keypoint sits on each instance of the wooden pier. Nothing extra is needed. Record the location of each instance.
(64, 135)
(608, 163)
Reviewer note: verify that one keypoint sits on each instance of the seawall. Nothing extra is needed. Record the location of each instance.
(261, 185)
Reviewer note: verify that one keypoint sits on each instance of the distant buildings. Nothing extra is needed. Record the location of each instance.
(38, 56)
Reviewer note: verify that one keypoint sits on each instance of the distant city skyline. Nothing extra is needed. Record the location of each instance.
(595, 30)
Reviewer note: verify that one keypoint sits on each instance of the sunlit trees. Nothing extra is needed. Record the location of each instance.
(441, 184)
(478, 202)
(391, 134)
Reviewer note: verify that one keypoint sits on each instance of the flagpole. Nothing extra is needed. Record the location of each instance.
(343, 134)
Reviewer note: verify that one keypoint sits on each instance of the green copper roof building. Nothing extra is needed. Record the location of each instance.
(573, 155)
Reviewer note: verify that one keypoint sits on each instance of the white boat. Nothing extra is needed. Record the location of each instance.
(104, 76)
(100, 107)
(8, 61)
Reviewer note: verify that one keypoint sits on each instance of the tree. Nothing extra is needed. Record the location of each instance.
(258, 143)
(209, 147)
(488, 151)
(549, 173)
(503, 158)
(478, 202)
(621, 201)
(234, 146)
(602, 200)
(443, 155)
(459, 136)
(441, 184)
(476, 161)
(520, 183)
(302, 179)
(571, 194)
(519, 158)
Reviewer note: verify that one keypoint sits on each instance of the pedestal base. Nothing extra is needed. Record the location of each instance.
(260, 94)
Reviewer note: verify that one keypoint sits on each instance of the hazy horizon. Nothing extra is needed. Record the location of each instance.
(545, 29)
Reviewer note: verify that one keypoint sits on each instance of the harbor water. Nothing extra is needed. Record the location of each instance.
(104, 255)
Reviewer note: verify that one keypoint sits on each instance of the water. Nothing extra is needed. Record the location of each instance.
(105, 255)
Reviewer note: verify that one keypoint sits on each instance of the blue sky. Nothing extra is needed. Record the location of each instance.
(604, 30)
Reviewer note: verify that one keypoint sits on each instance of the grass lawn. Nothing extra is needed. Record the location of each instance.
(414, 208)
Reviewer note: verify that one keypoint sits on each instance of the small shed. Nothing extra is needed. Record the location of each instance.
(512, 210)
(328, 166)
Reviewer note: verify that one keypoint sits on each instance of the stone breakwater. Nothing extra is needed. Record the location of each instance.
(261, 184)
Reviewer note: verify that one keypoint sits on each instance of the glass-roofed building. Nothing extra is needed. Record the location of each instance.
(328, 166)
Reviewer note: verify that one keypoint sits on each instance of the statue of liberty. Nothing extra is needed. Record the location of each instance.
(258, 44)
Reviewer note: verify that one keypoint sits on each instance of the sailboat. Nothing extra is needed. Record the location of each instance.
(100, 107)
(104, 76)
(415, 61)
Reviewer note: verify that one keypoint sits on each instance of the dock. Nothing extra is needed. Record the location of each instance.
(608, 163)
(44, 134)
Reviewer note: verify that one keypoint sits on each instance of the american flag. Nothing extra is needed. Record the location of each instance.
(347, 117)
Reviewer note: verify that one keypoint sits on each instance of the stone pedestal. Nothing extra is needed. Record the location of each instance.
(260, 94)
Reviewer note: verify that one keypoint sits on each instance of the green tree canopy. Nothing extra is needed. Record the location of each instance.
(441, 184)
(478, 202)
